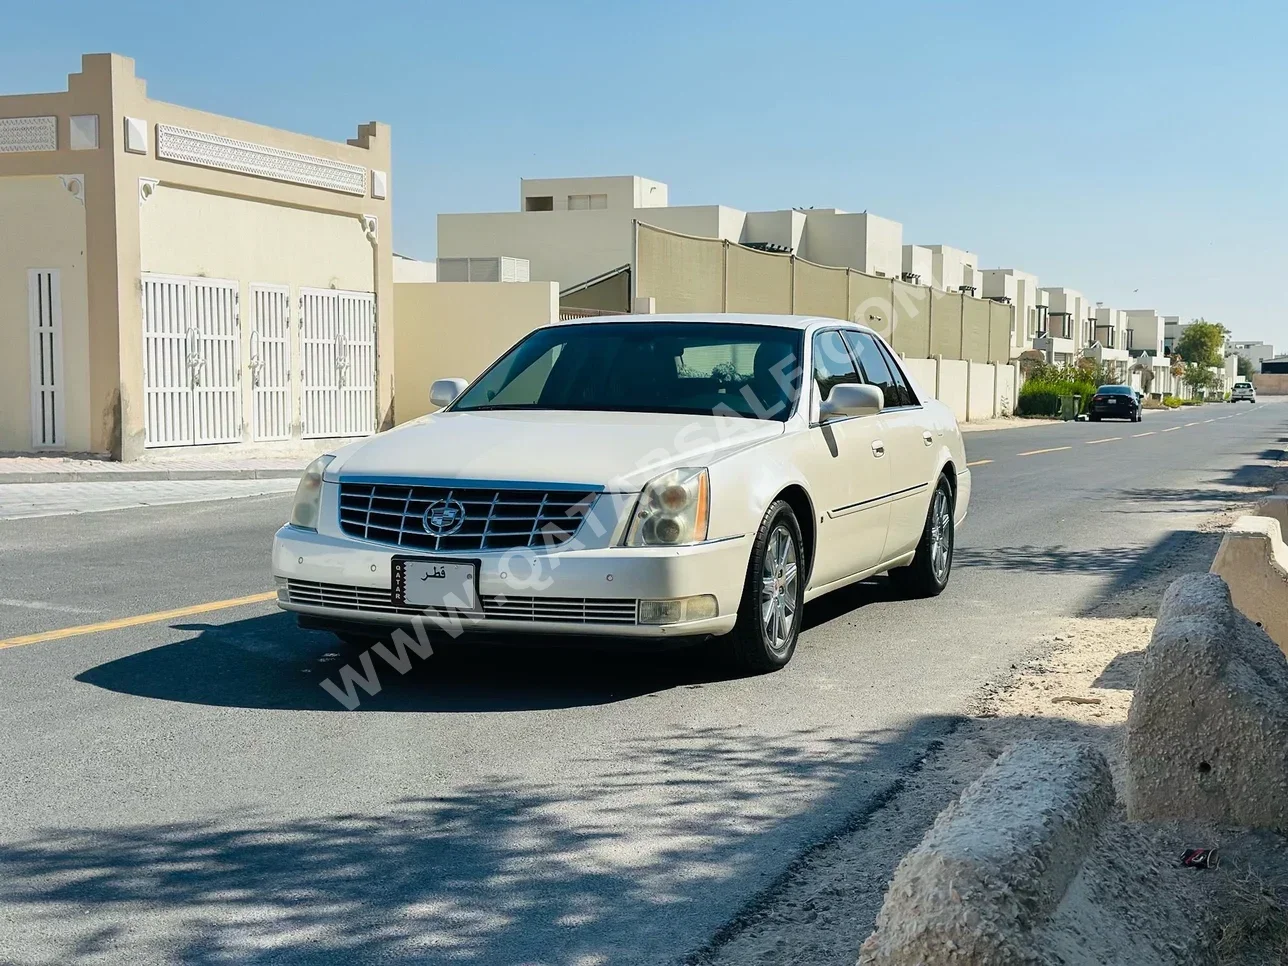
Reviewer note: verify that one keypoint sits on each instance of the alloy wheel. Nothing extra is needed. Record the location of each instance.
(941, 536)
(779, 595)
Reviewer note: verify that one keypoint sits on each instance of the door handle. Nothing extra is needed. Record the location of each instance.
(878, 448)
(927, 438)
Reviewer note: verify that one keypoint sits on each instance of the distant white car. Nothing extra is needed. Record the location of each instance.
(1241, 391)
(638, 476)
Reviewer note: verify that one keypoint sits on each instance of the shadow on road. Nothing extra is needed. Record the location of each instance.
(495, 872)
(268, 662)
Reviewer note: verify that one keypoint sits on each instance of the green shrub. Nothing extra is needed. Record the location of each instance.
(1041, 392)
(1171, 402)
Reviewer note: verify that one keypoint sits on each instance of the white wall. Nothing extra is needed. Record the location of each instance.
(776, 227)
(1147, 330)
(982, 391)
(948, 270)
(1253, 351)
(414, 270)
(884, 246)
(953, 376)
(705, 221)
(919, 260)
(624, 192)
(568, 247)
(1026, 300)
(861, 241)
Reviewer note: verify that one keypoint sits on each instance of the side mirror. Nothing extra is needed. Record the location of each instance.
(851, 399)
(444, 391)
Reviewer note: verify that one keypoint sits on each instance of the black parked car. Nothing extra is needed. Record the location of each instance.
(1115, 402)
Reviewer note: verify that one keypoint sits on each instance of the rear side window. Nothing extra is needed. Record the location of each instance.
(905, 388)
(875, 369)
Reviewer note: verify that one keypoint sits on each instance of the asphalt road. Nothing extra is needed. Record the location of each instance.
(184, 791)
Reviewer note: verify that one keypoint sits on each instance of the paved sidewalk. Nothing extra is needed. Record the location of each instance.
(87, 469)
(25, 500)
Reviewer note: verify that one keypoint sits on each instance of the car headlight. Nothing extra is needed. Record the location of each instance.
(672, 510)
(308, 495)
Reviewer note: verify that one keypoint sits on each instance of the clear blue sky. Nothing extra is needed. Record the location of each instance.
(1134, 151)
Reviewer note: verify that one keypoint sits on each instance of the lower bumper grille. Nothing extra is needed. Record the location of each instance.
(568, 610)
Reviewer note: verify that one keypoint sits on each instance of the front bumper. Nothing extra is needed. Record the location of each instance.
(577, 592)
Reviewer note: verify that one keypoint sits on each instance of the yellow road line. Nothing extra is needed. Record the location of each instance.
(155, 617)
(1150, 433)
(1036, 452)
(979, 463)
(1107, 439)
(1172, 430)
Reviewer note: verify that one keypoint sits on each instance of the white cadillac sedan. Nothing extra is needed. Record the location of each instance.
(683, 478)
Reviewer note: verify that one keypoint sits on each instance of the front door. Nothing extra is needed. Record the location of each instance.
(912, 446)
(849, 472)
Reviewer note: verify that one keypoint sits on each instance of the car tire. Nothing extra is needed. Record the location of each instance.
(1094, 419)
(759, 643)
(928, 574)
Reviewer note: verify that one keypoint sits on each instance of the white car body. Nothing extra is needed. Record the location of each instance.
(861, 486)
(1243, 391)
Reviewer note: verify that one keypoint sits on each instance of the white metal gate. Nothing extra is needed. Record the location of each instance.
(45, 313)
(270, 361)
(191, 361)
(338, 372)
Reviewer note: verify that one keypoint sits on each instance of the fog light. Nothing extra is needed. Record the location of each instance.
(677, 610)
(283, 592)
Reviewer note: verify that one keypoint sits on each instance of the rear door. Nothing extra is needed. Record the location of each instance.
(848, 472)
(910, 444)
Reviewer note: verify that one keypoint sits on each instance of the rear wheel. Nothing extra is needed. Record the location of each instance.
(928, 574)
(773, 596)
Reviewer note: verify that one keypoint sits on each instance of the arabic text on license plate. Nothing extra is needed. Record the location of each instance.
(446, 586)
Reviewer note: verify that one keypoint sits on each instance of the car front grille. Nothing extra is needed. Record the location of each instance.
(494, 518)
(379, 600)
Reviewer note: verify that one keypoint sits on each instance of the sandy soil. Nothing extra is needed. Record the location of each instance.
(824, 908)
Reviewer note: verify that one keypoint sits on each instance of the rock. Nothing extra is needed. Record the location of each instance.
(996, 863)
(1253, 562)
(1207, 734)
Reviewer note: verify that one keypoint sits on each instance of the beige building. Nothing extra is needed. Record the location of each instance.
(177, 278)
(1031, 303)
(573, 230)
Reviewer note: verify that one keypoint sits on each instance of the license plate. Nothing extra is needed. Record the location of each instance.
(448, 585)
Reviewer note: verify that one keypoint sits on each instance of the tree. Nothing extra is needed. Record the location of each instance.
(1245, 367)
(1201, 343)
(1200, 377)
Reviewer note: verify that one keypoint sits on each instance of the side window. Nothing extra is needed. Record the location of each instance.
(832, 363)
(875, 370)
(901, 380)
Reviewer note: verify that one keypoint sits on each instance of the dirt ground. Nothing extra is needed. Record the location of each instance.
(1081, 687)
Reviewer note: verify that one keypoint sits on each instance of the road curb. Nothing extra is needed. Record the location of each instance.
(126, 476)
(997, 863)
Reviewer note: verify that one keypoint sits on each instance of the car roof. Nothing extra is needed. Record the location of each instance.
(731, 318)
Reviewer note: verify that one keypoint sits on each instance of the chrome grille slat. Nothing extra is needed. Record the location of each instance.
(572, 610)
(496, 517)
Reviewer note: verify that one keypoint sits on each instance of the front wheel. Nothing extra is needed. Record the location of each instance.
(927, 575)
(773, 597)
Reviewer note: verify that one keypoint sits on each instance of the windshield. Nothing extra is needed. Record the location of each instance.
(698, 368)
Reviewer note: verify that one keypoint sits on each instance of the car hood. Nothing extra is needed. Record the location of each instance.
(617, 451)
